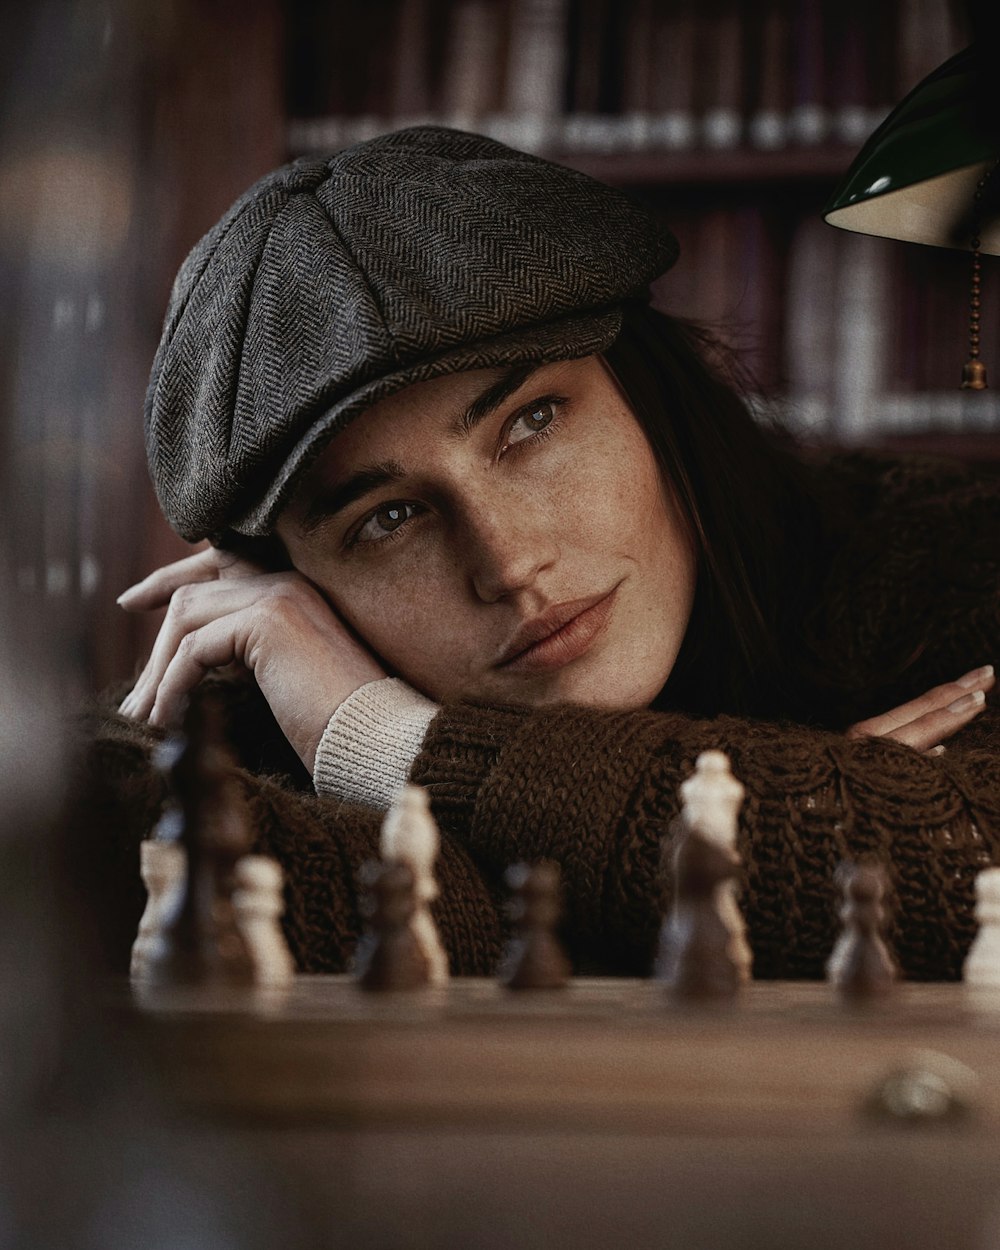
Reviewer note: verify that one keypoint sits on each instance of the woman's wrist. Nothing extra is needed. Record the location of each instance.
(371, 741)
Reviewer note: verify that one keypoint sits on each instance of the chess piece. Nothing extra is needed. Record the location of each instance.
(860, 965)
(391, 957)
(201, 942)
(982, 964)
(163, 867)
(258, 904)
(711, 799)
(536, 960)
(695, 959)
(409, 835)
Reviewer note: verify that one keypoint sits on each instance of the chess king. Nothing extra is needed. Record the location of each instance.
(478, 516)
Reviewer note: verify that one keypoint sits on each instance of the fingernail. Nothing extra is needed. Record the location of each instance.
(977, 677)
(967, 702)
(938, 750)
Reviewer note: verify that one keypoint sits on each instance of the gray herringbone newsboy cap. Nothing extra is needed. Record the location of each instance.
(335, 281)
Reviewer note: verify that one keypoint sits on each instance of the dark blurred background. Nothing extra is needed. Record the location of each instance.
(130, 125)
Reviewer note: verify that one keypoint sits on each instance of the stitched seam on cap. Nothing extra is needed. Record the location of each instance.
(243, 337)
(390, 337)
(153, 389)
(182, 311)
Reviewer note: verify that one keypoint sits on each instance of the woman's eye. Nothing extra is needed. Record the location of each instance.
(531, 420)
(385, 521)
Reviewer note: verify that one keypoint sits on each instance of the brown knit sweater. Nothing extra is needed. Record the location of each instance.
(911, 597)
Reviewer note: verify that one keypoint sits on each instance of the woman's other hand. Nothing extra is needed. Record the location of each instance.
(925, 723)
(222, 609)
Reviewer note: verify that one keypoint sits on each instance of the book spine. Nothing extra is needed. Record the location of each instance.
(473, 83)
(809, 120)
(768, 126)
(720, 74)
(410, 87)
(809, 298)
(536, 67)
(671, 101)
(636, 71)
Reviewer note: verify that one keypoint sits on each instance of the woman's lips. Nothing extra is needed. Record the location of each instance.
(559, 636)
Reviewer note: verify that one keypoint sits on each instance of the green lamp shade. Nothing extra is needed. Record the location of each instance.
(916, 177)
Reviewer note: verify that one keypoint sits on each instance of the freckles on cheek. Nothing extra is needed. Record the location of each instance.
(412, 621)
(627, 507)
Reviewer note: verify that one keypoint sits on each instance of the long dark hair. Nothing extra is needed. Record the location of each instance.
(750, 505)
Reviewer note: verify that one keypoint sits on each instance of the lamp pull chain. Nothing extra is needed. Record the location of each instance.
(974, 370)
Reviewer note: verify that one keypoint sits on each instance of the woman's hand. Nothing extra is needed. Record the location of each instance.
(926, 722)
(222, 610)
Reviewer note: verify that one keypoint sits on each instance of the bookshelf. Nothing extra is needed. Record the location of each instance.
(737, 117)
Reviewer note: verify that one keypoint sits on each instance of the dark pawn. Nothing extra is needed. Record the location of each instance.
(390, 957)
(861, 966)
(694, 959)
(202, 944)
(535, 960)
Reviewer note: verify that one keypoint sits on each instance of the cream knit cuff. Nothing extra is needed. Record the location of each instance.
(371, 741)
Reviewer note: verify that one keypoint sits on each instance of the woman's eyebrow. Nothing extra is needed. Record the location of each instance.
(494, 395)
(329, 500)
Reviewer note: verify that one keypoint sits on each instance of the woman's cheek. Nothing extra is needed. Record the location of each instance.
(412, 621)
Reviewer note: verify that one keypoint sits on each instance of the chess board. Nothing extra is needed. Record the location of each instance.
(605, 1115)
(601, 1052)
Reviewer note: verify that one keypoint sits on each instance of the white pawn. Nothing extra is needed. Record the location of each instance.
(712, 797)
(163, 867)
(409, 834)
(258, 904)
(982, 964)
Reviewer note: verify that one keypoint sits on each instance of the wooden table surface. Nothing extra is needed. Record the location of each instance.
(602, 1054)
(605, 1115)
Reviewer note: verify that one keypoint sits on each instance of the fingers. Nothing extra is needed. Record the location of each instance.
(216, 644)
(192, 606)
(927, 731)
(958, 700)
(210, 564)
(275, 626)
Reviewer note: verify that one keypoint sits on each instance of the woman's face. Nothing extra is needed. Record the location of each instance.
(503, 535)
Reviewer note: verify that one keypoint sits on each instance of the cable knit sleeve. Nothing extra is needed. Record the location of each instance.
(596, 792)
(320, 843)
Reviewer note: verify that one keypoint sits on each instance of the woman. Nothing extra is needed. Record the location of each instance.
(480, 517)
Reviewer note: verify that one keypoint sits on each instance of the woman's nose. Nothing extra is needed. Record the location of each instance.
(506, 552)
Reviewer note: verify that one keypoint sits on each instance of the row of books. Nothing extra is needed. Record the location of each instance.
(852, 337)
(610, 75)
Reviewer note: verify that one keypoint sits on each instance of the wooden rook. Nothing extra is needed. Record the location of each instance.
(391, 956)
(201, 940)
(860, 965)
(695, 959)
(536, 959)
